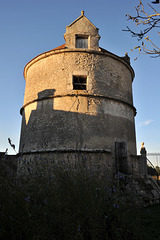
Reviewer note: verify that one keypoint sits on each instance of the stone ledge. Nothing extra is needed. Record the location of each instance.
(79, 94)
(65, 150)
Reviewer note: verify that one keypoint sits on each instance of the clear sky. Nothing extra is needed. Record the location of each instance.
(28, 28)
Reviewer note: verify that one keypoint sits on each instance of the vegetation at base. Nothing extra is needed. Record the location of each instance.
(146, 221)
(151, 171)
(60, 201)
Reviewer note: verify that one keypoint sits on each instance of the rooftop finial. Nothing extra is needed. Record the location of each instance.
(82, 12)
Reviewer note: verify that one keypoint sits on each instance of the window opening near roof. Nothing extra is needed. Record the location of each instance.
(81, 42)
(79, 82)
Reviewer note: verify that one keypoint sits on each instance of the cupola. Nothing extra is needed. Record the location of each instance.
(82, 34)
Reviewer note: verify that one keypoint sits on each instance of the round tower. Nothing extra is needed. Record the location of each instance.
(78, 99)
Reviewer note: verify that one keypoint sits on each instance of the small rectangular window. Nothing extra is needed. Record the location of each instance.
(81, 42)
(79, 82)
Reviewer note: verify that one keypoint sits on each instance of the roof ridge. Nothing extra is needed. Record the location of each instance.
(81, 16)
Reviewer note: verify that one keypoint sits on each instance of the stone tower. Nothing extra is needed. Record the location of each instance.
(78, 100)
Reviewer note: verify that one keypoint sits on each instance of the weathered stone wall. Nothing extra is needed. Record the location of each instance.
(107, 74)
(56, 116)
(49, 128)
(95, 161)
(8, 164)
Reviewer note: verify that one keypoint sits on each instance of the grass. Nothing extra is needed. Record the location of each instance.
(58, 201)
(146, 222)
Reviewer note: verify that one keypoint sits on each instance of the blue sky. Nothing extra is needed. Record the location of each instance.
(28, 28)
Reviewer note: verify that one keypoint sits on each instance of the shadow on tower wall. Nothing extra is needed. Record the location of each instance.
(48, 128)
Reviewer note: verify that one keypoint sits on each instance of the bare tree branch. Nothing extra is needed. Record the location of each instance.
(147, 23)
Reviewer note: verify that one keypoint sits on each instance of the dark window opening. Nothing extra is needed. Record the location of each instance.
(81, 42)
(79, 82)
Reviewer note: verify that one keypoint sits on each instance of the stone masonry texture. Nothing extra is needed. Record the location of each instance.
(56, 117)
